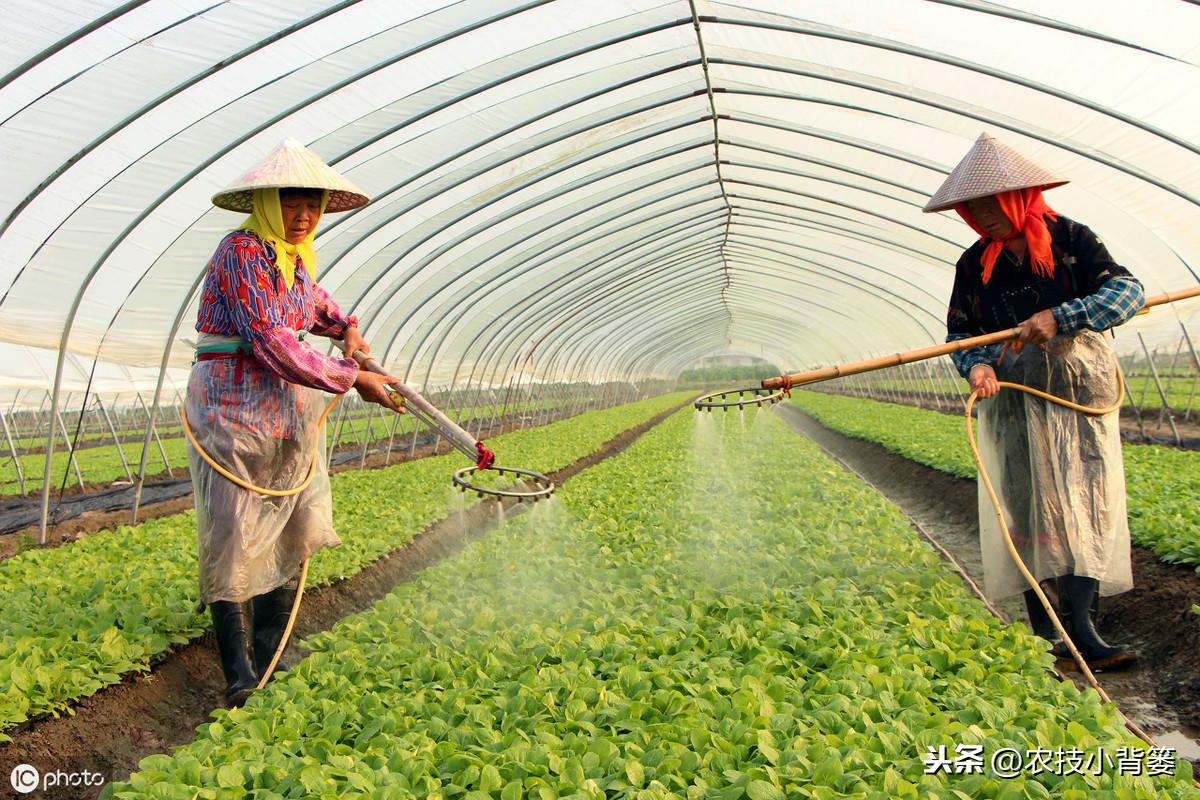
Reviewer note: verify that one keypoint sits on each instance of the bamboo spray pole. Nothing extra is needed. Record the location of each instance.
(920, 354)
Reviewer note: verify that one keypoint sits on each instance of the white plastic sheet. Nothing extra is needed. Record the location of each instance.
(553, 195)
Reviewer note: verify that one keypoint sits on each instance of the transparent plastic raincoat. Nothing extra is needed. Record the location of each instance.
(1059, 473)
(255, 398)
(249, 543)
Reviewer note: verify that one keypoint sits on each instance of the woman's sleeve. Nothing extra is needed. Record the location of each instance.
(960, 325)
(254, 309)
(330, 321)
(1114, 294)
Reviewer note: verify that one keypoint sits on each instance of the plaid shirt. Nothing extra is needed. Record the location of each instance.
(1088, 289)
(1113, 304)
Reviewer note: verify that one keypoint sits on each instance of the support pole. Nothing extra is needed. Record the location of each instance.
(387, 455)
(1195, 369)
(478, 409)
(13, 451)
(1141, 404)
(412, 450)
(116, 440)
(1161, 393)
(1171, 370)
(162, 451)
(38, 417)
(362, 462)
(13, 416)
(337, 432)
(62, 429)
(42, 521)
(1129, 396)
(140, 480)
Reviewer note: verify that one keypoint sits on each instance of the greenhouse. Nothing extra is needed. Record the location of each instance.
(630, 399)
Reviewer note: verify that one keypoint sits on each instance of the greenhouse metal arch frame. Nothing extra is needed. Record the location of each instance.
(806, 108)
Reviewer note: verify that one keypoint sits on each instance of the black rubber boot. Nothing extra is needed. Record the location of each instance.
(1066, 610)
(233, 642)
(271, 612)
(1039, 620)
(1080, 594)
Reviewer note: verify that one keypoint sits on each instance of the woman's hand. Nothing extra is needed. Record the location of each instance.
(354, 342)
(371, 387)
(983, 381)
(1041, 327)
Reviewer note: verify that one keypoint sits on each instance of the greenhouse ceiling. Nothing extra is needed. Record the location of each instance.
(572, 189)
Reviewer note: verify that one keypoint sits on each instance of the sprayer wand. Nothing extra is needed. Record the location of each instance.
(462, 441)
(772, 390)
(856, 367)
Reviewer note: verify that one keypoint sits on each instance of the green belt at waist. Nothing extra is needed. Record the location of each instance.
(233, 346)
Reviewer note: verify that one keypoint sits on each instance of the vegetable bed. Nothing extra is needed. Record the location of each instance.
(1163, 484)
(102, 464)
(75, 618)
(687, 620)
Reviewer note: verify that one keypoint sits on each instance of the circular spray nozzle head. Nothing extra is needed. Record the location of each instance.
(751, 396)
(533, 487)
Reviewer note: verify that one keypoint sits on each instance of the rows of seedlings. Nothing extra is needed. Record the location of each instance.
(76, 618)
(1163, 483)
(718, 612)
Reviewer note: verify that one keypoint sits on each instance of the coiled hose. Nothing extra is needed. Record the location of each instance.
(1008, 542)
(312, 471)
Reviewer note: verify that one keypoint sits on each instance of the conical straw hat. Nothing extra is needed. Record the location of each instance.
(291, 165)
(990, 167)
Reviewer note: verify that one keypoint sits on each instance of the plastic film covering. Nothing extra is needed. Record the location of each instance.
(570, 190)
(1059, 474)
(27, 372)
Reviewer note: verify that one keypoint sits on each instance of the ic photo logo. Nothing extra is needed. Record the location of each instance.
(24, 778)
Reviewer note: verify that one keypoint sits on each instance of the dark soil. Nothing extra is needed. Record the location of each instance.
(1162, 693)
(111, 731)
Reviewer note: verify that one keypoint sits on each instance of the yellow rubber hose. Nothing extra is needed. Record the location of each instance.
(312, 471)
(245, 484)
(1012, 550)
(287, 631)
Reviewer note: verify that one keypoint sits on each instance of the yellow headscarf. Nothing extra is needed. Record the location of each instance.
(267, 222)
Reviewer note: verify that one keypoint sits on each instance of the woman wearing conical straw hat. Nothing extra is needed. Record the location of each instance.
(255, 400)
(1058, 472)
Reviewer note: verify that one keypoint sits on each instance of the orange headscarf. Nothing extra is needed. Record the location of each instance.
(1026, 210)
